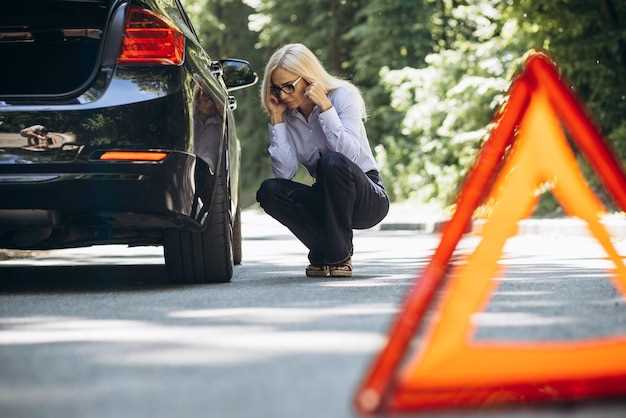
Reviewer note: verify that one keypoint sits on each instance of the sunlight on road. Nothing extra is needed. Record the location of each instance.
(198, 344)
(286, 315)
(508, 319)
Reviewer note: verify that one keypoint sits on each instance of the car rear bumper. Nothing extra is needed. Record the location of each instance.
(117, 197)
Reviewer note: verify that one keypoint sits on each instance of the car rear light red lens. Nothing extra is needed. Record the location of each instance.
(150, 39)
(133, 156)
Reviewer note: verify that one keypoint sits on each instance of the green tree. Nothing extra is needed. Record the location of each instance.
(393, 34)
(448, 104)
(432, 72)
(321, 25)
(588, 42)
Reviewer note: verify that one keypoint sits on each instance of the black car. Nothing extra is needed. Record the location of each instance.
(117, 127)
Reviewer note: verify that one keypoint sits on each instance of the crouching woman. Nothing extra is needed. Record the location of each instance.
(317, 120)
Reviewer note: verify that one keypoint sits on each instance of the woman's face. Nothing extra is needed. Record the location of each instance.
(281, 77)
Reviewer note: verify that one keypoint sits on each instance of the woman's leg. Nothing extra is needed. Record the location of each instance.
(349, 200)
(297, 206)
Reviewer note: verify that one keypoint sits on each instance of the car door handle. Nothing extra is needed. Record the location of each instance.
(216, 69)
(232, 103)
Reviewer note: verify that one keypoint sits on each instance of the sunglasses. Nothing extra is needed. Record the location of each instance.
(287, 88)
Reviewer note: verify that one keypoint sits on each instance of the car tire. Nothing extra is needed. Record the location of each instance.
(204, 256)
(237, 237)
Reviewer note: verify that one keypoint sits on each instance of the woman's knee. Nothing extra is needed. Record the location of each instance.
(268, 189)
(332, 161)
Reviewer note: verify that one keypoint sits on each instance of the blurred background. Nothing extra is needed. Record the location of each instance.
(432, 72)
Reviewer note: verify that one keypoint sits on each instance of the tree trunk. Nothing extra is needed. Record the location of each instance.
(334, 43)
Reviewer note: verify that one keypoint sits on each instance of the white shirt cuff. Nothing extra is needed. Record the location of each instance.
(330, 122)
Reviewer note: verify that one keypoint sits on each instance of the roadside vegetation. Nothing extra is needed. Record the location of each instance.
(432, 72)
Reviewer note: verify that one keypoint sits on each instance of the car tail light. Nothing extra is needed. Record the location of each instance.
(150, 39)
(133, 156)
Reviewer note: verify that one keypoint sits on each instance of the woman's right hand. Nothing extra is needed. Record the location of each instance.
(277, 109)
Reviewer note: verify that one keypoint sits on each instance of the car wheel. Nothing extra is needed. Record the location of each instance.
(204, 256)
(237, 237)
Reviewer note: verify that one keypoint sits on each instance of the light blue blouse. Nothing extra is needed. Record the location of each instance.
(340, 129)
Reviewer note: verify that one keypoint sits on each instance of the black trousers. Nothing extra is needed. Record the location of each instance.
(322, 216)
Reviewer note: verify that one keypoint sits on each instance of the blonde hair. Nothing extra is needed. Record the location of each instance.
(299, 59)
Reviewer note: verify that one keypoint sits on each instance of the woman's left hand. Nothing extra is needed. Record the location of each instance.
(318, 95)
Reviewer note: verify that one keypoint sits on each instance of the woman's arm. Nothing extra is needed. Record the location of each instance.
(342, 124)
(282, 152)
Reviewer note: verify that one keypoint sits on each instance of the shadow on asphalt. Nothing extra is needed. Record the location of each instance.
(99, 277)
(82, 278)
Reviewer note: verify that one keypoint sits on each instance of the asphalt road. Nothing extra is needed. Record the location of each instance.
(98, 332)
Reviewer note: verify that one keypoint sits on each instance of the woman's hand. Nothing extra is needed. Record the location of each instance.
(318, 95)
(277, 109)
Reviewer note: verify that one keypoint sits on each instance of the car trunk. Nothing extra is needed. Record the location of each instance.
(50, 47)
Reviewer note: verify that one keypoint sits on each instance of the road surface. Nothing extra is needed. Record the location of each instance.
(98, 332)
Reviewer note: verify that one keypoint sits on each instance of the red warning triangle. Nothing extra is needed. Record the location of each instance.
(450, 370)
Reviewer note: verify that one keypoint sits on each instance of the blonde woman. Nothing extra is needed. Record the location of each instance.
(317, 120)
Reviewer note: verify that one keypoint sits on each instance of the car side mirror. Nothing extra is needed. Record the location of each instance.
(238, 74)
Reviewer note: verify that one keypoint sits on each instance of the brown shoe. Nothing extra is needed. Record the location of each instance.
(314, 270)
(341, 270)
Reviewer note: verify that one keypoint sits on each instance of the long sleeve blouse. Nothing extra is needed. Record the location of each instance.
(297, 140)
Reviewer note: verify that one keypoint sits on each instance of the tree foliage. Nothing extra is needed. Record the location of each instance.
(447, 104)
(432, 72)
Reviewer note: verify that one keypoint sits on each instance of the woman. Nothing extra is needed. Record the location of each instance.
(317, 120)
